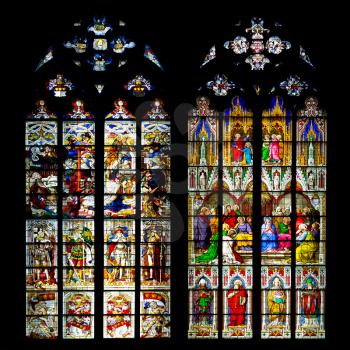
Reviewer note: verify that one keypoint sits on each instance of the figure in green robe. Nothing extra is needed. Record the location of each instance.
(285, 234)
(212, 251)
(266, 149)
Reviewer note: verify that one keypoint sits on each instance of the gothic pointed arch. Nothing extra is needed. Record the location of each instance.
(261, 242)
(98, 233)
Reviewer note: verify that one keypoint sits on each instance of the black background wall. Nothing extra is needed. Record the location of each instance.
(181, 34)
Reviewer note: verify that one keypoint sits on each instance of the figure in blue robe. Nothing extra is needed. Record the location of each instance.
(248, 154)
(269, 237)
(117, 205)
(202, 231)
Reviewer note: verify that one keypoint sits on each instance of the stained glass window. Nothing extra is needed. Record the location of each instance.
(310, 236)
(119, 224)
(220, 200)
(237, 224)
(41, 141)
(98, 230)
(99, 205)
(270, 226)
(78, 225)
(203, 204)
(276, 211)
(127, 237)
(155, 237)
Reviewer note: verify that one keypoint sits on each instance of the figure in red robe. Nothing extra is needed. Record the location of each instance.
(238, 145)
(300, 220)
(311, 301)
(71, 183)
(237, 302)
(230, 217)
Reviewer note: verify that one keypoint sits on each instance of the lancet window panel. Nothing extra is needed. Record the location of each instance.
(42, 297)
